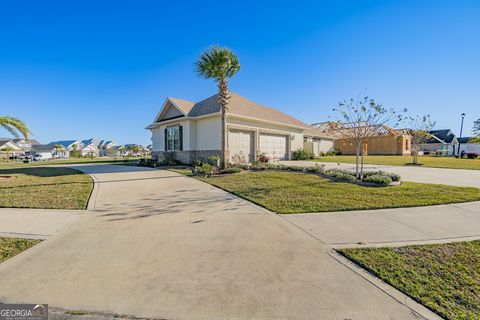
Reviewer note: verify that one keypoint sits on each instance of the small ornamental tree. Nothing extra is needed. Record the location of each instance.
(360, 120)
(419, 128)
(476, 127)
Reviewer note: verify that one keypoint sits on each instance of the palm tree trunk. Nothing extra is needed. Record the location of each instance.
(223, 96)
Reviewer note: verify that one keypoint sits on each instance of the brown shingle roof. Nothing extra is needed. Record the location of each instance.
(241, 106)
(184, 105)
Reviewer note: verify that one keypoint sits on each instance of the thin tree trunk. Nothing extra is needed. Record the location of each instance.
(361, 167)
(357, 156)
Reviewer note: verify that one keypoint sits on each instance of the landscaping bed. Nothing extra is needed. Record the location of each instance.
(298, 192)
(424, 161)
(45, 187)
(10, 247)
(443, 277)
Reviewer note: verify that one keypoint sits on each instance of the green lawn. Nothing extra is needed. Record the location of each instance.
(10, 247)
(443, 277)
(71, 161)
(424, 161)
(44, 187)
(289, 192)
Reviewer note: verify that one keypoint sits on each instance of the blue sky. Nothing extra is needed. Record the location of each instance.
(80, 69)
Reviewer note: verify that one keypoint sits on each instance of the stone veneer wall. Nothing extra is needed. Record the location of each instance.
(186, 156)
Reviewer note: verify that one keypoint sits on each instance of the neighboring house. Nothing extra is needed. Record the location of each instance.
(105, 147)
(190, 131)
(68, 146)
(90, 148)
(442, 142)
(468, 147)
(140, 150)
(9, 149)
(388, 141)
(24, 144)
(44, 152)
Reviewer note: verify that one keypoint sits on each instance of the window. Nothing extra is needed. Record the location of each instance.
(173, 138)
(406, 144)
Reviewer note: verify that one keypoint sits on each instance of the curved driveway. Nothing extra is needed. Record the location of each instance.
(161, 245)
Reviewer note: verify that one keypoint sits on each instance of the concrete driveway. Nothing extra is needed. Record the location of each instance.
(161, 245)
(454, 177)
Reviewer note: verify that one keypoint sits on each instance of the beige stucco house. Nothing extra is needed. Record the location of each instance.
(189, 131)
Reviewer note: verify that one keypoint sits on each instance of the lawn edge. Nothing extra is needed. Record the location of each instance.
(338, 210)
(371, 273)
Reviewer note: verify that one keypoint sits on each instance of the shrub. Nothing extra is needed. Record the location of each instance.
(316, 169)
(263, 158)
(214, 160)
(206, 169)
(472, 155)
(271, 166)
(258, 167)
(302, 154)
(378, 179)
(343, 175)
(197, 162)
(393, 176)
(231, 170)
(282, 167)
(295, 168)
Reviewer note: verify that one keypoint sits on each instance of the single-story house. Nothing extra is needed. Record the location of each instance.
(387, 141)
(442, 142)
(468, 147)
(9, 149)
(188, 131)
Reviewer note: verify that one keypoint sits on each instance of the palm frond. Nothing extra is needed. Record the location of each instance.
(217, 63)
(15, 126)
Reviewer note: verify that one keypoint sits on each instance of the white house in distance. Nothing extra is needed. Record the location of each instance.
(193, 131)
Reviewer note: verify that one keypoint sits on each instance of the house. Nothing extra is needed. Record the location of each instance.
(468, 147)
(135, 150)
(386, 141)
(105, 146)
(67, 147)
(188, 131)
(9, 149)
(90, 148)
(25, 144)
(441, 142)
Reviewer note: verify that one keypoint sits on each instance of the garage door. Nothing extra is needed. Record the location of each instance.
(273, 146)
(240, 145)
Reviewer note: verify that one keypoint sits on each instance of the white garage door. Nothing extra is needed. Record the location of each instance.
(240, 145)
(273, 146)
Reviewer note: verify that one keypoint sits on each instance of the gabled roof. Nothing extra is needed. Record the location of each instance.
(183, 105)
(444, 135)
(241, 107)
(31, 141)
(65, 143)
(42, 147)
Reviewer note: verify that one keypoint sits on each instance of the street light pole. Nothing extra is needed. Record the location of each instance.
(461, 130)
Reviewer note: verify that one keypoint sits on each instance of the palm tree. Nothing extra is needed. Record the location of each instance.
(219, 64)
(15, 126)
(58, 148)
(7, 150)
(122, 150)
